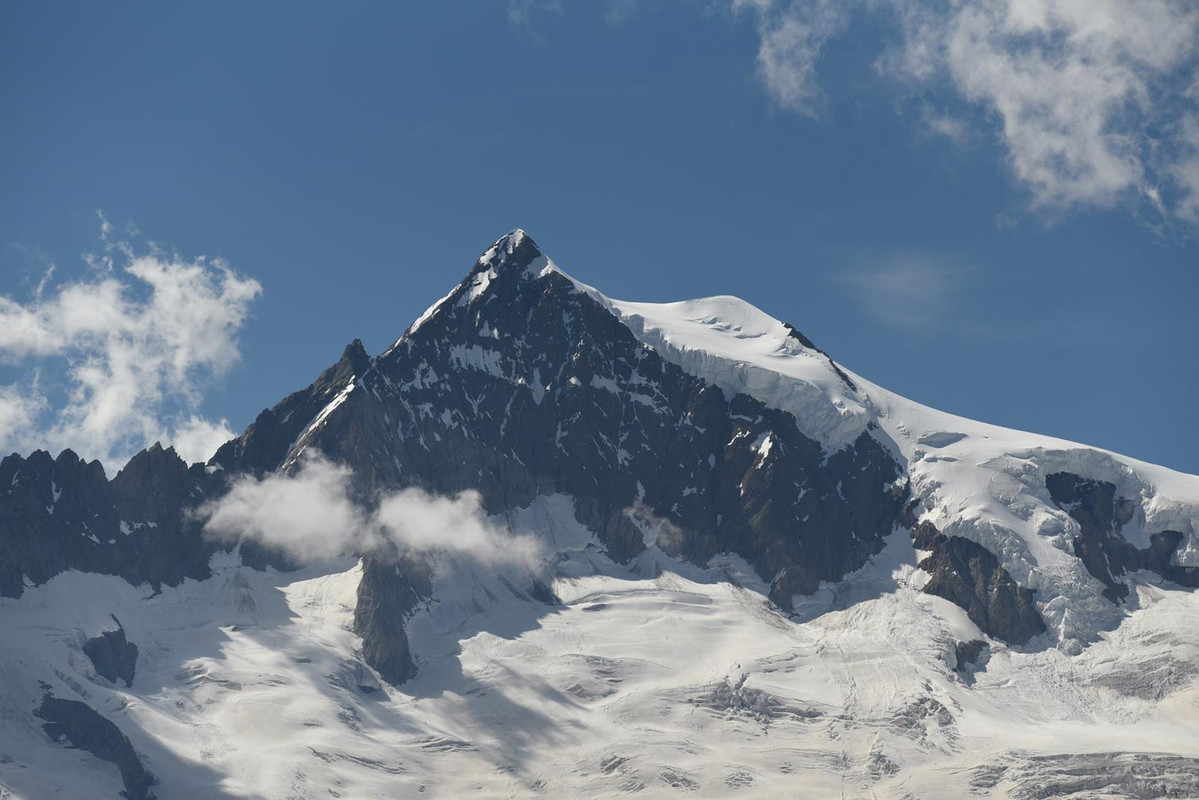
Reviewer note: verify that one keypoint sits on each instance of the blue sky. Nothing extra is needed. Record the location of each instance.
(991, 210)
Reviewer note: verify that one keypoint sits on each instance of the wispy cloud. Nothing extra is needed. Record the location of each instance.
(312, 515)
(36, 262)
(933, 294)
(791, 40)
(119, 359)
(1096, 102)
(620, 11)
(522, 12)
(1090, 98)
(912, 290)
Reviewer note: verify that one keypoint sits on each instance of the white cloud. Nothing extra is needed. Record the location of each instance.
(791, 41)
(196, 438)
(941, 123)
(1186, 168)
(19, 410)
(308, 514)
(620, 11)
(117, 360)
(520, 12)
(1087, 96)
(421, 522)
(312, 515)
(912, 291)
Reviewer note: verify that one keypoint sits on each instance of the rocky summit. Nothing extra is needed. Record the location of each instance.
(693, 553)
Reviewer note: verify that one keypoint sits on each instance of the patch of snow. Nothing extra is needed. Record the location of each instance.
(478, 358)
(305, 436)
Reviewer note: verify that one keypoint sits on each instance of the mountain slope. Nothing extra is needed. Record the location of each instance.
(760, 572)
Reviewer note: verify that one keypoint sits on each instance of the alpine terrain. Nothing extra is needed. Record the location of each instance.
(551, 544)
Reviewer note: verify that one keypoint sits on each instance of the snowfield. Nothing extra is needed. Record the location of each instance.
(657, 679)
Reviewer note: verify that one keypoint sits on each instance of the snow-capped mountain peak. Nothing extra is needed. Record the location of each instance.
(754, 569)
(515, 245)
(723, 340)
(978, 482)
(515, 251)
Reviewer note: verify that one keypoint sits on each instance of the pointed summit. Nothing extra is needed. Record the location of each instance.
(515, 249)
(514, 255)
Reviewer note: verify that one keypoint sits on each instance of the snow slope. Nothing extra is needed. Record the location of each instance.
(741, 349)
(974, 480)
(654, 680)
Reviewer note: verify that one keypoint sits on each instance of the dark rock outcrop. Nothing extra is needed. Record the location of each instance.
(112, 655)
(1159, 555)
(1101, 547)
(970, 576)
(970, 657)
(82, 727)
(390, 589)
(63, 513)
(266, 443)
(966, 654)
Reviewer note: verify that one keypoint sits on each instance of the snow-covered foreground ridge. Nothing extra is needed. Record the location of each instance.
(656, 679)
(744, 571)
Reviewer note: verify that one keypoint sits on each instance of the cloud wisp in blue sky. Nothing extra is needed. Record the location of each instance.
(1096, 102)
(111, 362)
(916, 291)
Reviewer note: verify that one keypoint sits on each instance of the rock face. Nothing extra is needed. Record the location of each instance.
(970, 658)
(63, 513)
(968, 575)
(274, 434)
(1107, 555)
(79, 725)
(113, 655)
(390, 589)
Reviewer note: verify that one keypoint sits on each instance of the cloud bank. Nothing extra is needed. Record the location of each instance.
(117, 360)
(1096, 102)
(312, 516)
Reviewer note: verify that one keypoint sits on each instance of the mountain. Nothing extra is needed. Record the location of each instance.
(757, 572)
